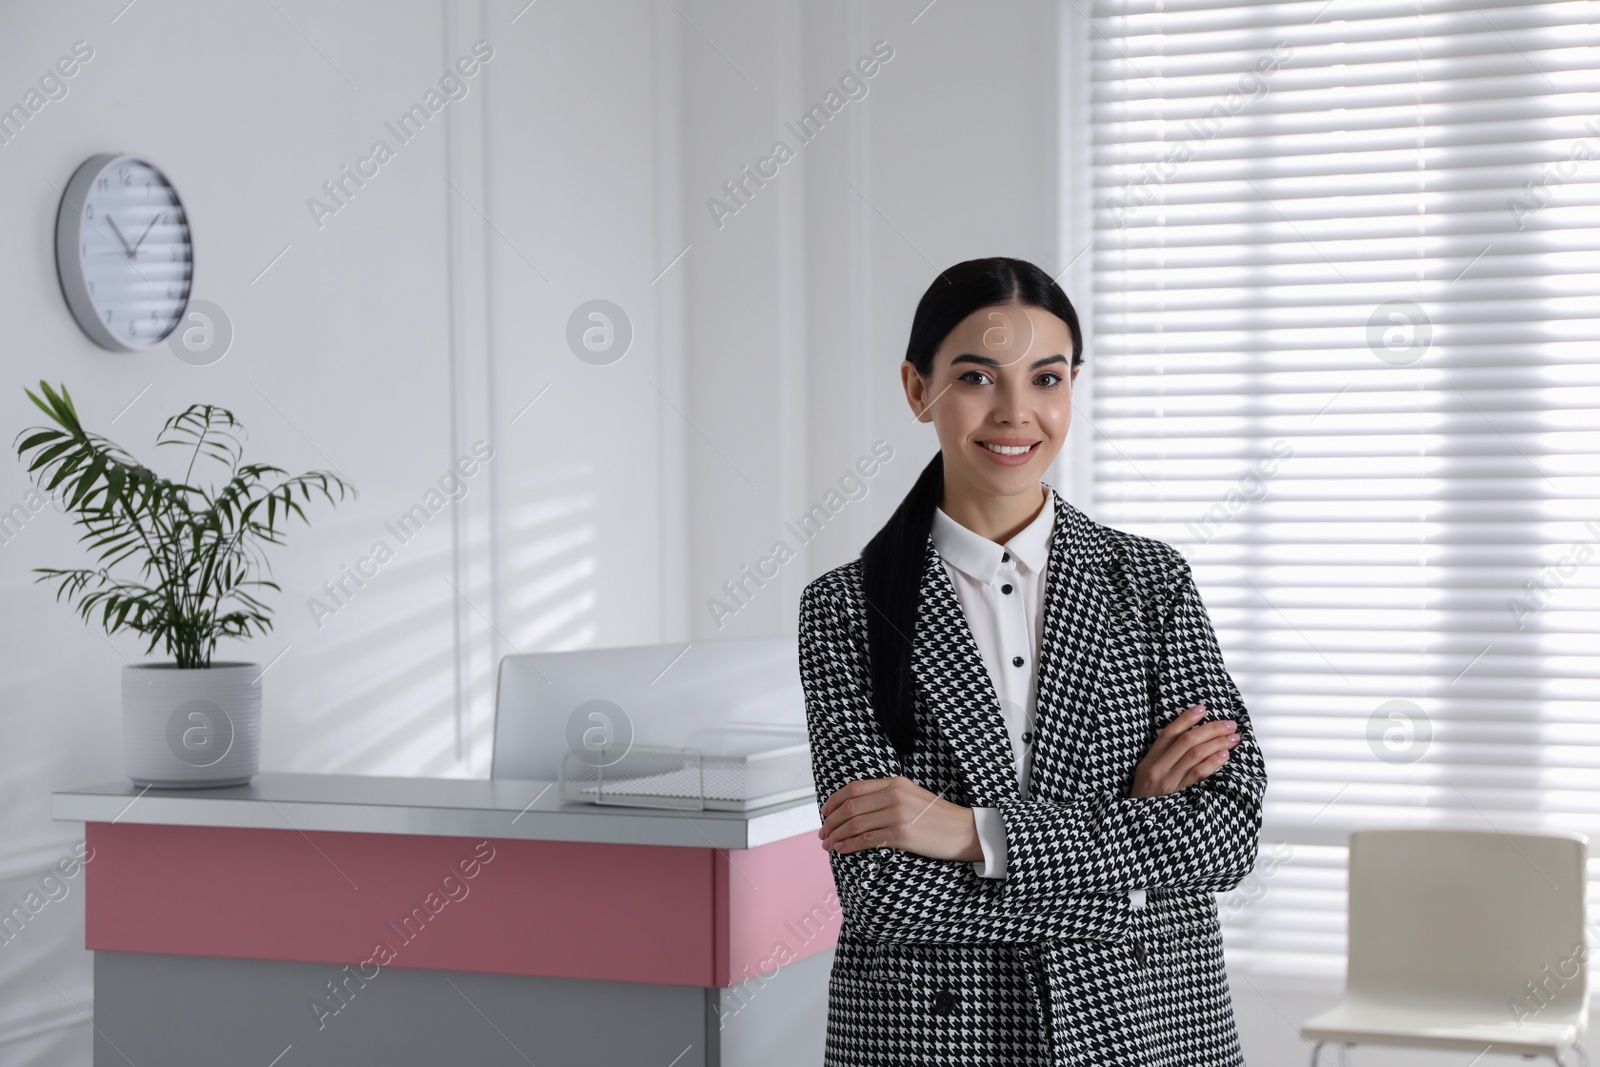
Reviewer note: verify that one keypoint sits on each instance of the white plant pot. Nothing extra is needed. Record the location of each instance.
(191, 727)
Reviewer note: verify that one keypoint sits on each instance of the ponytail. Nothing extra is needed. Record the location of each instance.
(891, 576)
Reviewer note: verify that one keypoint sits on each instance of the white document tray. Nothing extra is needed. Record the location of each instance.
(721, 768)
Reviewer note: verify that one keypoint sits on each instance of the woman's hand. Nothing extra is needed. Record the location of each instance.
(1183, 753)
(898, 813)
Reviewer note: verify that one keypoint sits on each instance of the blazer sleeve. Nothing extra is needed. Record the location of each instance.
(888, 894)
(1204, 836)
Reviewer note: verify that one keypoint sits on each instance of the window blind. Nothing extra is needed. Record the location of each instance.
(1346, 345)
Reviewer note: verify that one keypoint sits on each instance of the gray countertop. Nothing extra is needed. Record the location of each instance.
(442, 807)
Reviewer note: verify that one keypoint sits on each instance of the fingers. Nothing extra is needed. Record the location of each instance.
(1178, 754)
(870, 837)
(1206, 758)
(1207, 742)
(1203, 742)
(866, 829)
(1204, 770)
(1185, 752)
(858, 807)
(1174, 729)
(860, 787)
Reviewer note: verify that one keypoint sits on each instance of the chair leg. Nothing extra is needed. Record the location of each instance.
(1344, 1054)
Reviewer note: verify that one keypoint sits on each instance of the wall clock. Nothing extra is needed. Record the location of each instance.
(123, 251)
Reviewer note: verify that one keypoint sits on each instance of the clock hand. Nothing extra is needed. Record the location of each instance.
(121, 238)
(146, 233)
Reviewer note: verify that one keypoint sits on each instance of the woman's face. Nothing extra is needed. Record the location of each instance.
(1001, 379)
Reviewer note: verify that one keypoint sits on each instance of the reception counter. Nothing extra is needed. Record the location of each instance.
(309, 919)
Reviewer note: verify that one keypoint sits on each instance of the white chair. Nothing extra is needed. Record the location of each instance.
(1464, 940)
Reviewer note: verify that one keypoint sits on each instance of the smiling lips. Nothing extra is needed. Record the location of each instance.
(1010, 451)
(1009, 446)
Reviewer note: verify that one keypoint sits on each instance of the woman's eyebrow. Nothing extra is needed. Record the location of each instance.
(968, 357)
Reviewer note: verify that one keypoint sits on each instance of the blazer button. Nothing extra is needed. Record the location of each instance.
(944, 1002)
(1138, 951)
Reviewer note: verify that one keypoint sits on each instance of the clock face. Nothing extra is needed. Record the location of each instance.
(123, 252)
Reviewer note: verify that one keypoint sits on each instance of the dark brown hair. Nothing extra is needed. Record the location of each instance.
(892, 562)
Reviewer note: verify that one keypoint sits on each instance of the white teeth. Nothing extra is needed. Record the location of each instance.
(1007, 450)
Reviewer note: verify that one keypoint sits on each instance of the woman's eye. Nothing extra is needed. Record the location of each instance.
(1052, 374)
(970, 373)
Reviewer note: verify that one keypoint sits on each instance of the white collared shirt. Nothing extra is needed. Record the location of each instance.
(1001, 589)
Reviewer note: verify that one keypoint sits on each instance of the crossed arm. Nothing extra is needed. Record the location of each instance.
(1070, 862)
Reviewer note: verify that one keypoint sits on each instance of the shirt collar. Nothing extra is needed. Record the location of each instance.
(977, 556)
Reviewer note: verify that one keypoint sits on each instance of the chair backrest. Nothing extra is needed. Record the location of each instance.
(648, 694)
(1468, 916)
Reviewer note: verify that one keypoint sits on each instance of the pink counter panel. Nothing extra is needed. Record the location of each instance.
(634, 913)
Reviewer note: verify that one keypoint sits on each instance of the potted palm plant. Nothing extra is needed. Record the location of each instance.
(186, 722)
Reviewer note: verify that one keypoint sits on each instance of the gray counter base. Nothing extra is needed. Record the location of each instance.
(196, 1011)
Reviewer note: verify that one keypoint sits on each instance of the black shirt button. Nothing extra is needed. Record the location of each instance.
(944, 1002)
(1016, 661)
(1005, 557)
(1027, 738)
(1006, 588)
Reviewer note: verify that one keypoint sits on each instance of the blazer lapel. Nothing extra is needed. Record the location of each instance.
(957, 691)
(1077, 632)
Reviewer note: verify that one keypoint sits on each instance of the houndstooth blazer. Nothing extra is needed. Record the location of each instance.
(1052, 964)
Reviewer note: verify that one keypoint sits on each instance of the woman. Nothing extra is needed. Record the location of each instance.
(1035, 769)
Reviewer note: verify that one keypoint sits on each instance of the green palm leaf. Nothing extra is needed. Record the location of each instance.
(197, 552)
